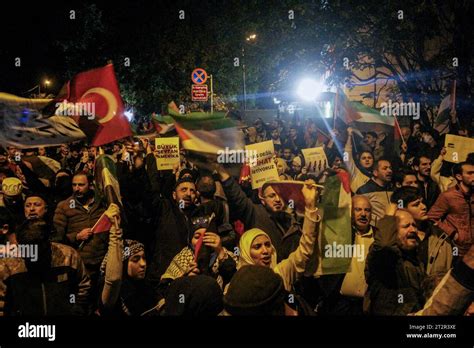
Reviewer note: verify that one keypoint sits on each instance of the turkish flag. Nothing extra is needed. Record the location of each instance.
(98, 92)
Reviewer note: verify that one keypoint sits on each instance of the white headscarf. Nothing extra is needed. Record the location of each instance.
(245, 245)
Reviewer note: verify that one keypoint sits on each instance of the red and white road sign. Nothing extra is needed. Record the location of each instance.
(199, 93)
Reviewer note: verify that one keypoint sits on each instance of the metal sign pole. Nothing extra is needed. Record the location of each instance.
(212, 95)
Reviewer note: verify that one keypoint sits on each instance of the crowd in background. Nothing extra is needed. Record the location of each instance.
(197, 241)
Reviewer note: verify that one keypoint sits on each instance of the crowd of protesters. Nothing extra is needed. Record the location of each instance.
(412, 213)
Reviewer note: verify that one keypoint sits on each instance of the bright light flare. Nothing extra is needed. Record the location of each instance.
(309, 89)
(129, 115)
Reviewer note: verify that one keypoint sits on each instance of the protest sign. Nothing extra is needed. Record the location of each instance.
(457, 148)
(262, 164)
(315, 159)
(167, 152)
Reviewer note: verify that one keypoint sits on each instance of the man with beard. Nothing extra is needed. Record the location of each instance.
(172, 230)
(171, 216)
(453, 211)
(394, 272)
(346, 291)
(435, 249)
(429, 189)
(379, 189)
(43, 278)
(275, 137)
(261, 131)
(269, 216)
(73, 220)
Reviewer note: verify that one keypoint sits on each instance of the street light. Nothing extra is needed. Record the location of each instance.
(251, 37)
(47, 82)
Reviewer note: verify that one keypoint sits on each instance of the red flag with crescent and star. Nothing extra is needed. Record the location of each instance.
(98, 90)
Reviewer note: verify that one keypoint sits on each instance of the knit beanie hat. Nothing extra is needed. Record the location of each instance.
(255, 290)
(130, 248)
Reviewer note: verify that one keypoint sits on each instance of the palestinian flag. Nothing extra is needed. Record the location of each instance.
(442, 120)
(163, 124)
(27, 123)
(335, 236)
(368, 115)
(173, 109)
(106, 180)
(43, 166)
(344, 109)
(206, 136)
(359, 115)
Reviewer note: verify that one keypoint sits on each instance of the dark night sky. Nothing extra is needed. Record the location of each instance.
(29, 30)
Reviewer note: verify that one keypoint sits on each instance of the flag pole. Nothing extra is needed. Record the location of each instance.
(399, 129)
(454, 95)
(335, 107)
(116, 223)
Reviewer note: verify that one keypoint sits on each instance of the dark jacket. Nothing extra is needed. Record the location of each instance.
(171, 226)
(430, 192)
(172, 232)
(70, 221)
(136, 199)
(22, 293)
(282, 228)
(394, 276)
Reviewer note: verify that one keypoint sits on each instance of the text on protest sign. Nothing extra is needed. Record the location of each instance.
(263, 167)
(315, 159)
(167, 152)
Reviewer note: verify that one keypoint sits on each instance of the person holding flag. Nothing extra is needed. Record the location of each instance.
(219, 263)
(74, 220)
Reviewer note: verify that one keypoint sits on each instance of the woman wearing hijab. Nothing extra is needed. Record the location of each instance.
(125, 292)
(256, 247)
(204, 255)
